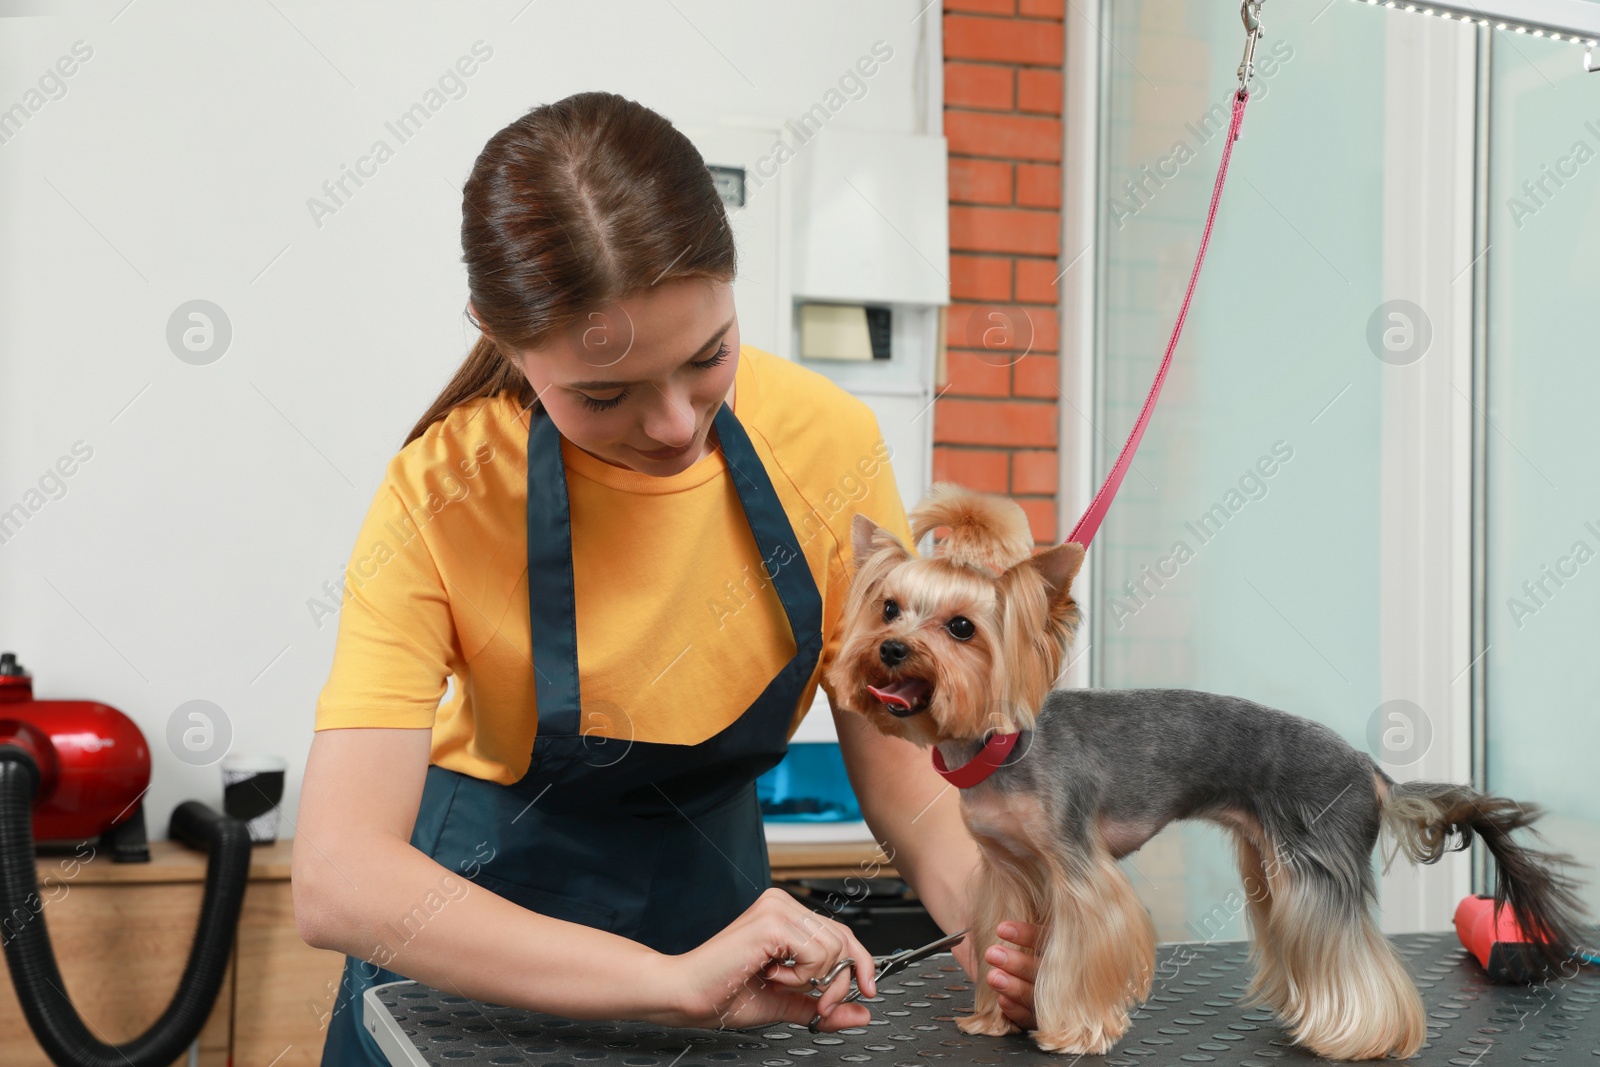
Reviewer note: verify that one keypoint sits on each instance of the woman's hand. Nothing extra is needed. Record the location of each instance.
(1011, 970)
(737, 978)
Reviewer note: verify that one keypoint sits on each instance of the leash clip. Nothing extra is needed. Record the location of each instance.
(1250, 14)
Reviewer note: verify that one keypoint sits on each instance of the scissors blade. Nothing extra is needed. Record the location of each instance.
(915, 955)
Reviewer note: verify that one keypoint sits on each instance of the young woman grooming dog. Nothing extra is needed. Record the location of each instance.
(611, 497)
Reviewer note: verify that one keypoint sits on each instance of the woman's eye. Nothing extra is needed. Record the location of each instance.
(961, 628)
(607, 404)
(713, 361)
(891, 611)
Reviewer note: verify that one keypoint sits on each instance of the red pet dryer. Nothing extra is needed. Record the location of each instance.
(93, 766)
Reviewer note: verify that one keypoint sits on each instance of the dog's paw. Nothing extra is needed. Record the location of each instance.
(989, 1024)
(1079, 1041)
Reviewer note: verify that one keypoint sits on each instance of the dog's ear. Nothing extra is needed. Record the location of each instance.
(1059, 566)
(864, 541)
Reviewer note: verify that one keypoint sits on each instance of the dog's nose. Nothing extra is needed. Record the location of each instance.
(892, 652)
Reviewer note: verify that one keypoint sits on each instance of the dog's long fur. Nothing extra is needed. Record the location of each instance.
(973, 641)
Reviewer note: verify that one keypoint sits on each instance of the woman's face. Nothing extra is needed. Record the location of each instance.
(637, 383)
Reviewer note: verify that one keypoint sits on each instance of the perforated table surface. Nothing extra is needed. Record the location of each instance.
(1192, 1016)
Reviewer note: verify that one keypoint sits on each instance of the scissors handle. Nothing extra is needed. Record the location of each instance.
(827, 980)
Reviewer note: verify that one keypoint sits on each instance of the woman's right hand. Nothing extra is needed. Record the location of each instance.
(737, 978)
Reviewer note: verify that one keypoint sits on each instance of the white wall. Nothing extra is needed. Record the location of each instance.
(175, 164)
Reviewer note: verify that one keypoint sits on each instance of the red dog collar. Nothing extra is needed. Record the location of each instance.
(989, 757)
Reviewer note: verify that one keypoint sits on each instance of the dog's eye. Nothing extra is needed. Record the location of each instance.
(891, 611)
(961, 628)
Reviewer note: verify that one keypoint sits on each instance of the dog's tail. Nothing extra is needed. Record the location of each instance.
(987, 530)
(1428, 819)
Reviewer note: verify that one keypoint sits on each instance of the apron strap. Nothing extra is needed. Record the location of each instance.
(552, 607)
(783, 563)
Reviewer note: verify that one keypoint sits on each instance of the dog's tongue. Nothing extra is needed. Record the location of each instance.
(902, 694)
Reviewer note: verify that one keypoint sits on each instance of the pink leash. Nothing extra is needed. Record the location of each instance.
(1089, 525)
(995, 750)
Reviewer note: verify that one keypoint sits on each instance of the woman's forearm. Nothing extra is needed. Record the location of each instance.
(935, 854)
(941, 857)
(387, 903)
(915, 815)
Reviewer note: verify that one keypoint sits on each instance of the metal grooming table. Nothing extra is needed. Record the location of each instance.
(1192, 1017)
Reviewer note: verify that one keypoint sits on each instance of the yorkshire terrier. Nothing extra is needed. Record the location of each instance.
(947, 649)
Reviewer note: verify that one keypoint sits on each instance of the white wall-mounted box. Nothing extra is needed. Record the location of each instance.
(871, 218)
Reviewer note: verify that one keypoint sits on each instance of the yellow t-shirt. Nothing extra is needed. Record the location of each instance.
(678, 632)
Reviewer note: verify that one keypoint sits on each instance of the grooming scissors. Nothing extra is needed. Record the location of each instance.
(882, 967)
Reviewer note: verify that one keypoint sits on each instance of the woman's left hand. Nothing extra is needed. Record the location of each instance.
(1012, 970)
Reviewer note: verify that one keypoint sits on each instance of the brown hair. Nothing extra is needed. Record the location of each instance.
(572, 207)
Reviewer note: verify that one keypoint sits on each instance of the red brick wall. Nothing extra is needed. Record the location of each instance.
(995, 419)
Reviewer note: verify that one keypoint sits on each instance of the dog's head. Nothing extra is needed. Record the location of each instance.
(964, 641)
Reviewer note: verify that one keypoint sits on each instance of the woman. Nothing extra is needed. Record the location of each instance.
(612, 496)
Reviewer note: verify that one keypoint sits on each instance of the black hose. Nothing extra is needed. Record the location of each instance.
(55, 1022)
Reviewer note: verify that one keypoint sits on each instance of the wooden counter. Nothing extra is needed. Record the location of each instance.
(122, 933)
(828, 859)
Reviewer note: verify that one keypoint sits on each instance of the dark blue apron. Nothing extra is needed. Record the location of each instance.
(659, 843)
